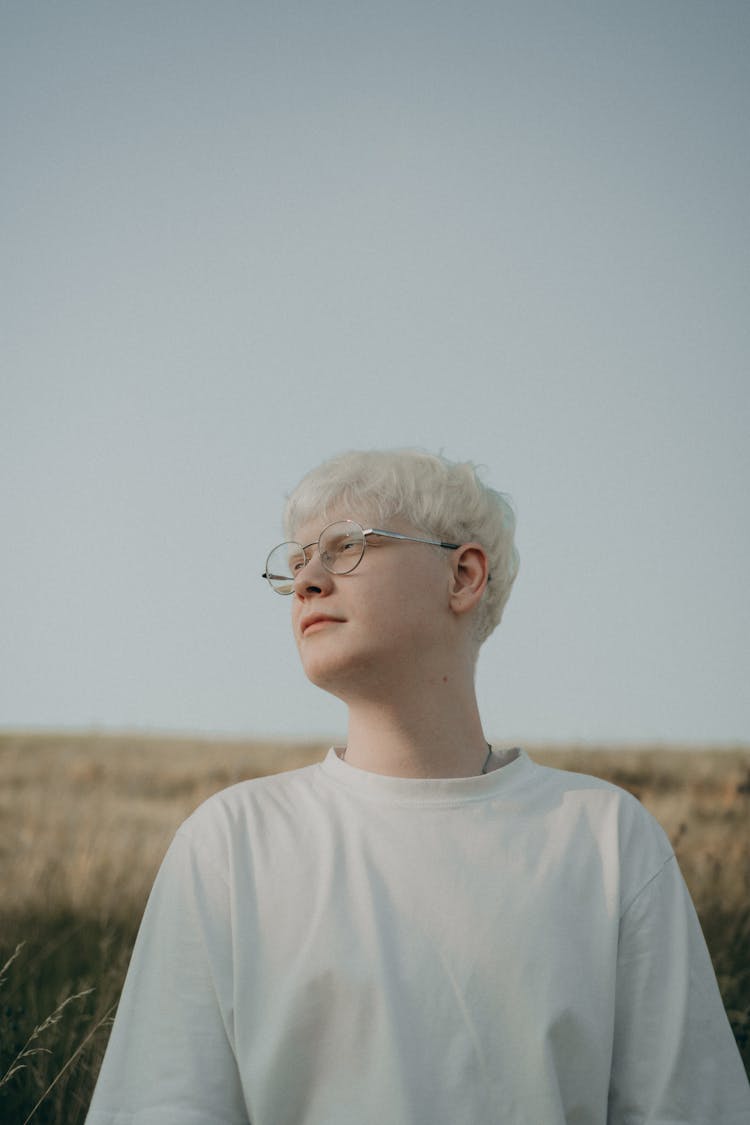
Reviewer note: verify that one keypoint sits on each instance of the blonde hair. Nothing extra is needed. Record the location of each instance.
(444, 499)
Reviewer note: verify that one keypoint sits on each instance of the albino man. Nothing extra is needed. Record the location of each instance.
(421, 929)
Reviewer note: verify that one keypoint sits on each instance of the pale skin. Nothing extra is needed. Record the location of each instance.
(394, 640)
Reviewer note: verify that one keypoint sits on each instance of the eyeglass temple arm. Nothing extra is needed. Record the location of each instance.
(410, 538)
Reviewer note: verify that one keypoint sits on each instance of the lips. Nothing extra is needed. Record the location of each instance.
(316, 619)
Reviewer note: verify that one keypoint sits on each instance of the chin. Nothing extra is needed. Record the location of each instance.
(332, 666)
(350, 676)
(325, 670)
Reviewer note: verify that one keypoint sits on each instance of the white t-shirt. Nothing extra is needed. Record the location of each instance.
(335, 947)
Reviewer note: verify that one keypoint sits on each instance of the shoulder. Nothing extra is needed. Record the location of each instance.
(248, 811)
(586, 792)
(626, 833)
(273, 789)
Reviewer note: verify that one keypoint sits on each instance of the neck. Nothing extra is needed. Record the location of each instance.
(437, 733)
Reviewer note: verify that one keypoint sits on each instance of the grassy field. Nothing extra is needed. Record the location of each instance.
(86, 820)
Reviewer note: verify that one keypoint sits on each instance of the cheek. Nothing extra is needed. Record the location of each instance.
(417, 612)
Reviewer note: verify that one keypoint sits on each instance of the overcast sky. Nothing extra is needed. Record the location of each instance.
(239, 237)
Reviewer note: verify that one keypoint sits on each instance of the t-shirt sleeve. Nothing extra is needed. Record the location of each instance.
(170, 1059)
(674, 1059)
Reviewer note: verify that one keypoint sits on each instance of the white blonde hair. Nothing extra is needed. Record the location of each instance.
(443, 499)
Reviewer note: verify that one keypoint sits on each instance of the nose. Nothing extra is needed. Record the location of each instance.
(313, 578)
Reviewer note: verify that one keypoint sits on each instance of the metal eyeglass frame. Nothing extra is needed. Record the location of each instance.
(365, 532)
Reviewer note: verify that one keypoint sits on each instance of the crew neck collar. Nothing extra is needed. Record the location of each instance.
(425, 791)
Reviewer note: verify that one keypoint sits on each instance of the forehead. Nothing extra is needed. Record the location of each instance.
(309, 530)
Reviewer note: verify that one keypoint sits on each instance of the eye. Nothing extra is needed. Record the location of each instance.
(341, 546)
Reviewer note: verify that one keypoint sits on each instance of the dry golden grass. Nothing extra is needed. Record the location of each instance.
(86, 820)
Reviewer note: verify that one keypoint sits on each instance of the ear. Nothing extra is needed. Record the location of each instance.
(469, 577)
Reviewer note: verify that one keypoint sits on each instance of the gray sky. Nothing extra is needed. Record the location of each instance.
(240, 237)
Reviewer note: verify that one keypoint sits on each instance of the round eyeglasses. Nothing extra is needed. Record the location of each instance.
(341, 547)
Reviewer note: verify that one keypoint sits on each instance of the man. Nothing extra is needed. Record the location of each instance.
(420, 929)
